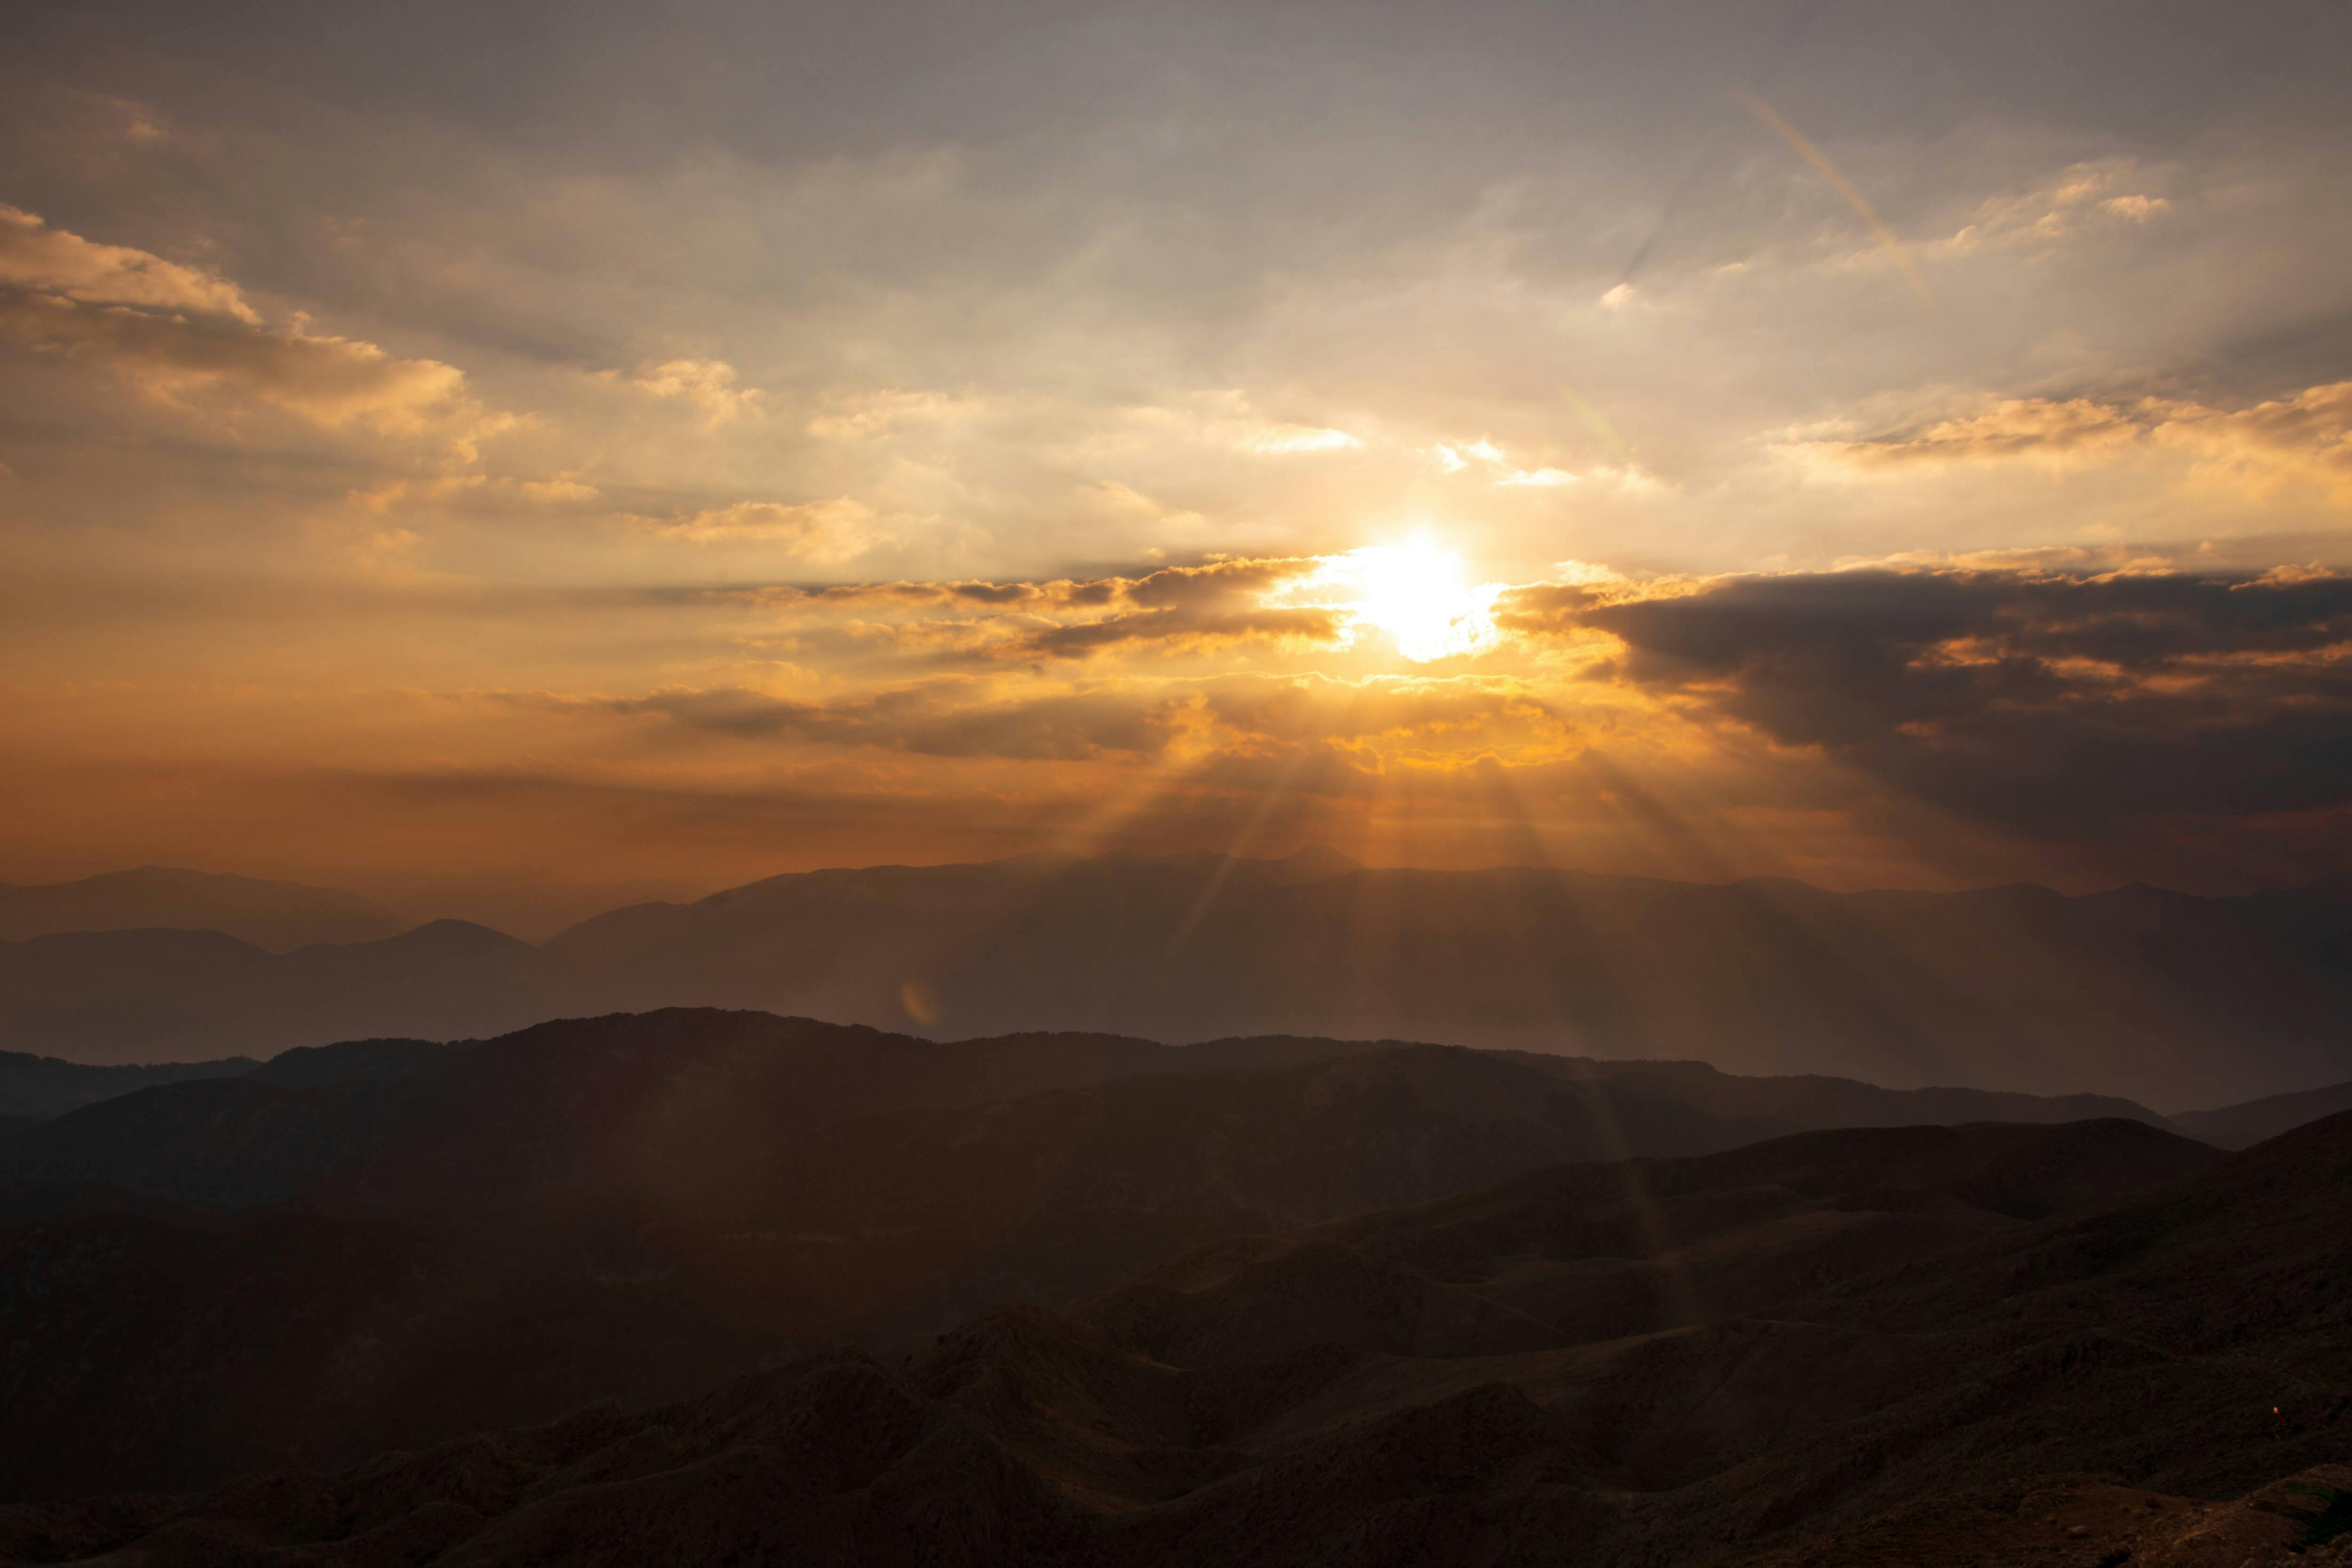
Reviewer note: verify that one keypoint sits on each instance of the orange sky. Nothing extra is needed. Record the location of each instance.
(1573, 440)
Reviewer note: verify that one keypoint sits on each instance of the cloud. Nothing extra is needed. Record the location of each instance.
(2307, 434)
(833, 528)
(707, 385)
(1455, 457)
(945, 719)
(2016, 427)
(2077, 201)
(176, 334)
(1175, 630)
(2042, 702)
(1276, 440)
(50, 261)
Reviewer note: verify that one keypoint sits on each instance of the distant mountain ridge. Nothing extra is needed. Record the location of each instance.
(159, 995)
(276, 916)
(2168, 999)
(2244, 1126)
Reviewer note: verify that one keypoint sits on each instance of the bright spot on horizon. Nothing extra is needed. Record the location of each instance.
(1419, 595)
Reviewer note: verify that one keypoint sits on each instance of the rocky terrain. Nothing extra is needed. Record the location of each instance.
(2087, 1344)
(696, 1192)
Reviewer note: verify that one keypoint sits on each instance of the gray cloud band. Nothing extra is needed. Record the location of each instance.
(2049, 704)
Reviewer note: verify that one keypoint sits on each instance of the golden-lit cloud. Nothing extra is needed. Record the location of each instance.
(2080, 201)
(708, 386)
(2308, 435)
(180, 337)
(817, 530)
(42, 260)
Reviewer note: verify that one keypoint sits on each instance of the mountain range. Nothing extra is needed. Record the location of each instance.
(2173, 1000)
(693, 1192)
(2080, 1343)
(274, 916)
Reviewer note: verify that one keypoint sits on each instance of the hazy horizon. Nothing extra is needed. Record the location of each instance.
(535, 912)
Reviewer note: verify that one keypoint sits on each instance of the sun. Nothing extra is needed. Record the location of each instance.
(1421, 596)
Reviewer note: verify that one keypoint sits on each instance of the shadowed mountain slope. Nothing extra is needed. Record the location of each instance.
(42, 1087)
(2133, 1349)
(277, 916)
(2244, 1126)
(169, 1349)
(806, 1180)
(746, 1183)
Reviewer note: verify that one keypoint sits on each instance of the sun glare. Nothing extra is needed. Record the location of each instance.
(1419, 595)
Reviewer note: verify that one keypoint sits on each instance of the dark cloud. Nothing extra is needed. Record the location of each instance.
(942, 720)
(1173, 631)
(2052, 704)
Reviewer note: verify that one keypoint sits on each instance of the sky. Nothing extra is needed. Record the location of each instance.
(508, 459)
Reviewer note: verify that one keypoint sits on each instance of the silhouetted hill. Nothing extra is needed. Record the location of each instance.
(755, 1181)
(1873, 1356)
(277, 916)
(2244, 1126)
(348, 1061)
(226, 1143)
(39, 1087)
(811, 1181)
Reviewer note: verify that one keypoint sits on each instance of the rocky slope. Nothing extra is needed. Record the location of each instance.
(1984, 1345)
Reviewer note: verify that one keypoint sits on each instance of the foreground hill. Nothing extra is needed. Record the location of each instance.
(276, 916)
(731, 1187)
(2170, 999)
(42, 1087)
(1929, 1345)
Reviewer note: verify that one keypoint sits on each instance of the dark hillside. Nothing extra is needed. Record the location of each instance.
(1872, 1357)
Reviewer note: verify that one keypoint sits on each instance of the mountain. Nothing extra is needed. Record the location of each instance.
(348, 1061)
(38, 1087)
(2082, 1343)
(810, 1182)
(2166, 998)
(165, 1351)
(276, 916)
(2169, 998)
(35, 1088)
(184, 995)
(737, 1184)
(2244, 1126)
